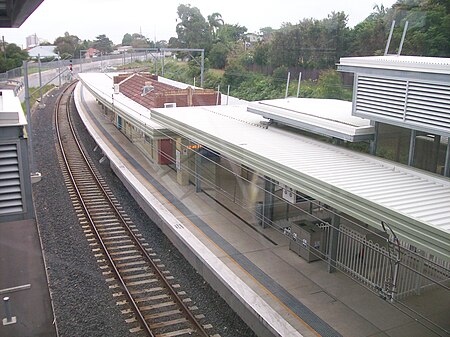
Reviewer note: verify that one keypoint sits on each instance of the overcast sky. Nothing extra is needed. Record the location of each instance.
(90, 18)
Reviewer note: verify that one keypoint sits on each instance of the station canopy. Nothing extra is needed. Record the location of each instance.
(414, 203)
(14, 13)
(326, 117)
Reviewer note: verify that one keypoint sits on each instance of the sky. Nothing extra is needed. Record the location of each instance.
(157, 19)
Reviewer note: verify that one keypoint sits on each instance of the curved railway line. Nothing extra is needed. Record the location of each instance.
(148, 296)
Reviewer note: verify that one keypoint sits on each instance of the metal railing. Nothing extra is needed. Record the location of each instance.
(371, 264)
(57, 72)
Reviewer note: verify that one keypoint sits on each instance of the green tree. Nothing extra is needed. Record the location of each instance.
(193, 30)
(218, 55)
(266, 32)
(67, 44)
(261, 54)
(215, 21)
(103, 44)
(127, 39)
(428, 30)
(369, 37)
(429, 27)
(139, 41)
(330, 85)
(12, 57)
(230, 33)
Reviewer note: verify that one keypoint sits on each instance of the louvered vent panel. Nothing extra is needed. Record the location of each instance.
(429, 105)
(10, 191)
(380, 96)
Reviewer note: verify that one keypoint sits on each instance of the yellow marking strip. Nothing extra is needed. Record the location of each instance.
(235, 262)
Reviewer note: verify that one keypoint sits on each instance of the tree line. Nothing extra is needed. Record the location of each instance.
(319, 43)
(308, 44)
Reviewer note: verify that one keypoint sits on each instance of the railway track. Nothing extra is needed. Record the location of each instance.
(148, 296)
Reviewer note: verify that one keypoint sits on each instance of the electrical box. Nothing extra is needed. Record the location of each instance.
(307, 240)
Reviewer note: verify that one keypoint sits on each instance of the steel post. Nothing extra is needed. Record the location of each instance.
(412, 147)
(28, 112)
(269, 190)
(287, 85)
(332, 242)
(447, 159)
(198, 172)
(9, 319)
(40, 78)
(59, 69)
(202, 68)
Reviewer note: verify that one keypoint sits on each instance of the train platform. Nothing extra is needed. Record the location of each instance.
(275, 291)
(23, 281)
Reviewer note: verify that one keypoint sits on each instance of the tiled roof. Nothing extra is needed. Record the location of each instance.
(131, 86)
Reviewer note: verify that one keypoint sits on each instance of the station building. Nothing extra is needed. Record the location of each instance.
(290, 165)
(145, 90)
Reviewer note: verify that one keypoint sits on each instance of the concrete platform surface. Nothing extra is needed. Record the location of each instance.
(24, 281)
(274, 290)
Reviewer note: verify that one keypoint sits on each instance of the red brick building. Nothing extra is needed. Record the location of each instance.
(145, 89)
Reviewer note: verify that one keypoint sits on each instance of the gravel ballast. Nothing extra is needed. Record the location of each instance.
(83, 303)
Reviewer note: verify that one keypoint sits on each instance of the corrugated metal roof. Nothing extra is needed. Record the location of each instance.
(101, 86)
(438, 65)
(414, 203)
(328, 117)
(42, 51)
(11, 113)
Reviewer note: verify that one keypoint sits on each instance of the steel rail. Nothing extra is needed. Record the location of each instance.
(187, 313)
(69, 171)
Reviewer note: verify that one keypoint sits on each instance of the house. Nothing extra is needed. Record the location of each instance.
(42, 52)
(91, 52)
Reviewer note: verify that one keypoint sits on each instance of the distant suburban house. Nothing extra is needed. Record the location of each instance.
(42, 52)
(91, 52)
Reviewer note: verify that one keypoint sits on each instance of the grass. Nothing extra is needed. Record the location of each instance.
(36, 95)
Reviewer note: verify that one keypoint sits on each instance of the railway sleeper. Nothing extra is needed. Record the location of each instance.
(168, 323)
(186, 332)
(128, 264)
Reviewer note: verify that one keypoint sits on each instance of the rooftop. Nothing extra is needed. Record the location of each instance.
(438, 65)
(159, 93)
(328, 117)
(42, 51)
(14, 13)
(11, 113)
(365, 187)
